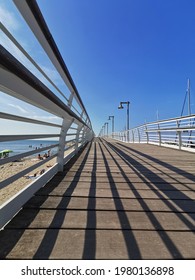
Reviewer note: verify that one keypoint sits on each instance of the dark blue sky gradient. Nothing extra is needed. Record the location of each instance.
(142, 51)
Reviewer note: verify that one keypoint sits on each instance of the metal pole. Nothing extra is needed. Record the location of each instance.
(106, 124)
(60, 157)
(112, 126)
(121, 107)
(128, 121)
(189, 105)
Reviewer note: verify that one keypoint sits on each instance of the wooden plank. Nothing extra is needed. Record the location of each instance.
(134, 204)
(121, 185)
(73, 219)
(99, 244)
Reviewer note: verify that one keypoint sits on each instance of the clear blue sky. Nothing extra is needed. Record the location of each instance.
(142, 51)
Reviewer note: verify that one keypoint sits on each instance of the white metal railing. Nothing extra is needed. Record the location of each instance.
(177, 133)
(69, 124)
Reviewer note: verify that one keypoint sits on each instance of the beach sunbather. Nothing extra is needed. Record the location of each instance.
(35, 175)
(31, 176)
(39, 156)
(42, 171)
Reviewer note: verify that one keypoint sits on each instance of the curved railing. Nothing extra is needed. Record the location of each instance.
(177, 133)
(24, 79)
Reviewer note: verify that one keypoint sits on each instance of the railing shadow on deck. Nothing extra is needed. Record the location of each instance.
(45, 248)
(181, 196)
(89, 250)
(163, 235)
(130, 240)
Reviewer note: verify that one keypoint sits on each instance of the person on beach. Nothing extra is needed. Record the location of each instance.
(45, 155)
(32, 176)
(35, 175)
(39, 157)
(42, 171)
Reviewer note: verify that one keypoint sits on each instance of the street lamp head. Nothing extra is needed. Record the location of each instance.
(120, 106)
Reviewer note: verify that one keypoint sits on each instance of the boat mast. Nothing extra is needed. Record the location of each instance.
(188, 92)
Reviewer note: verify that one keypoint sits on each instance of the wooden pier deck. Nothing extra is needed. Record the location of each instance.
(115, 201)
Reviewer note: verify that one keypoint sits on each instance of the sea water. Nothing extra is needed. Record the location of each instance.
(23, 146)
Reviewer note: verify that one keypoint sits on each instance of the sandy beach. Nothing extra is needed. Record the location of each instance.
(11, 168)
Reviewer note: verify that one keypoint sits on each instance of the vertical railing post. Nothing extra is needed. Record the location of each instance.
(133, 136)
(70, 99)
(180, 139)
(60, 157)
(159, 138)
(87, 135)
(138, 134)
(77, 137)
(147, 135)
(84, 132)
(159, 135)
(129, 136)
(177, 124)
(80, 127)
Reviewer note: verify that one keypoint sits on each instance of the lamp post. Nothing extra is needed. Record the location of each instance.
(101, 132)
(112, 117)
(103, 127)
(106, 124)
(121, 107)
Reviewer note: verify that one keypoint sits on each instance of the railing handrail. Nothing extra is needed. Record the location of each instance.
(33, 16)
(24, 119)
(74, 129)
(12, 65)
(176, 132)
(162, 121)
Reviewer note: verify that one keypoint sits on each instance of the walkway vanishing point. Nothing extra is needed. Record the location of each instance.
(114, 201)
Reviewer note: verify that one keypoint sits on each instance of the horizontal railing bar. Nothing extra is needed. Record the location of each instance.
(70, 134)
(73, 128)
(27, 154)
(68, 141)
(33, 16)
(172, 129)
(189, 136)
(5, 138)
(11, 64)
(9, 35)
(145, 126)
(172, 119)
(18, 81)
(15, 177)
(68, 148)
(75, 110)
(24, 119)
(176, 133)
